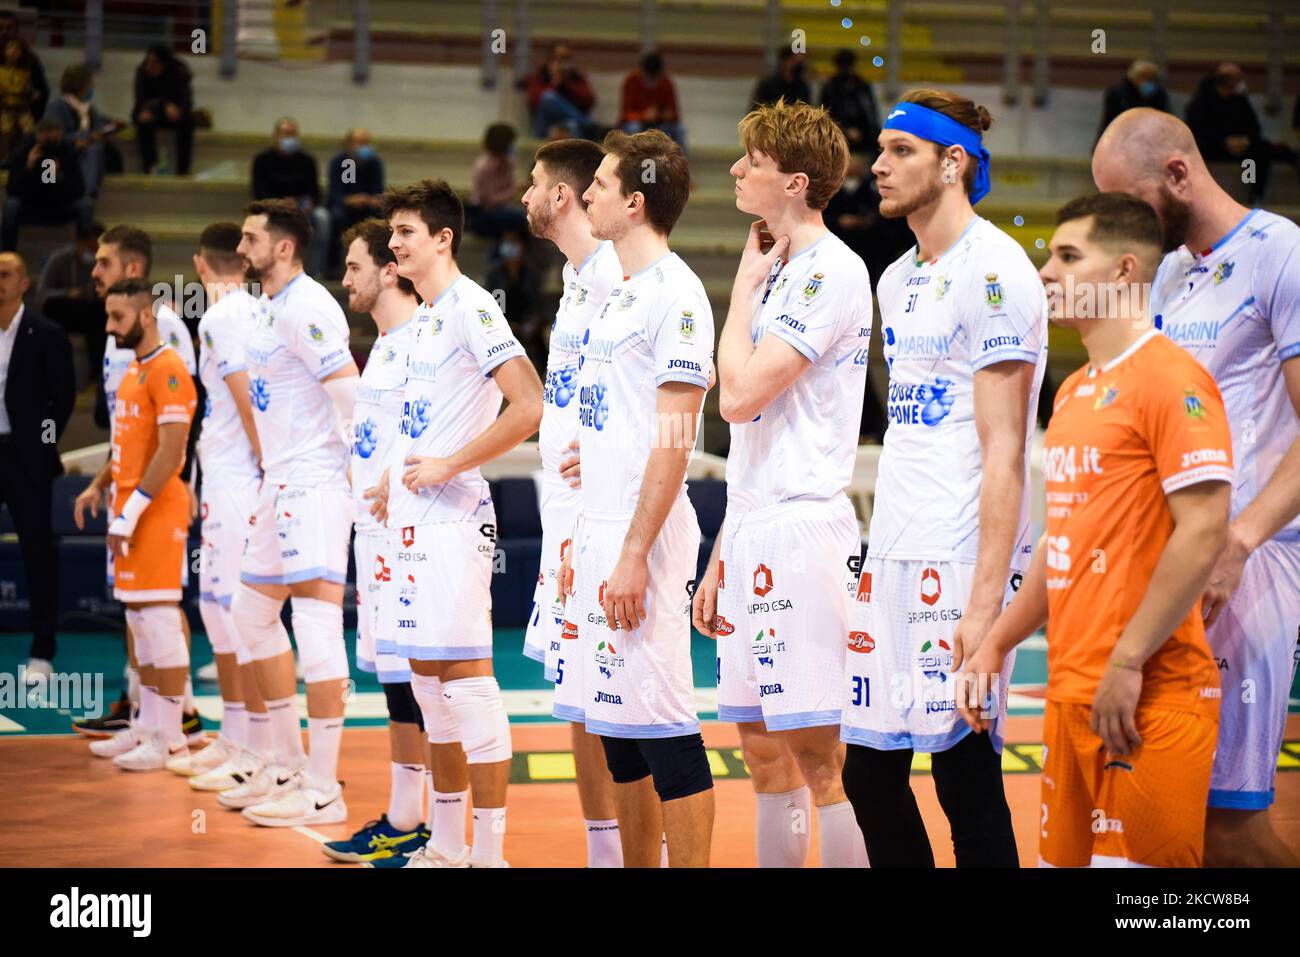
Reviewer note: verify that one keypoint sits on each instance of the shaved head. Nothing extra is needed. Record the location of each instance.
(1152, 155)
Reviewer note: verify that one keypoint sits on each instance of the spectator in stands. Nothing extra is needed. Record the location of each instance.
(1227, 129)
(163, 99)
(45, 185)
(559, 94)
(18, 94)
(84, 127)
(37, 394)
(649, 101)
(284, 170)
(8, 31)
(789, 81)
(494, 205)
(1141, 86)
(851, 102)
(356, 180)
(517, 284)
(65, 293)
(853, 215)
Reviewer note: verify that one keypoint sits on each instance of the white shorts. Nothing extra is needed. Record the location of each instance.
(784, 602)
(1256, 640)
(444, 596)
(639, 684)
(224, 512)
(898, 681)
(542, 638)
(376, 597)
(298, 534)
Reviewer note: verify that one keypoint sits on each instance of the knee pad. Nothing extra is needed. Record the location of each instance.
(679, 766)
(218, 628)
(242, 655)
(257, 620)
(159, 626)
(439, 723)
(402, 706)
(139, 637)
(624, 759)
(480, 715)
(318, 629)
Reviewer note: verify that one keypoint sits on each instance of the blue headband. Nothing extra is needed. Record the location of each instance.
(932, 125)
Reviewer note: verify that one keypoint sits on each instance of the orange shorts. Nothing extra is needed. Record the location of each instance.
(1144, 809)
(153, 566)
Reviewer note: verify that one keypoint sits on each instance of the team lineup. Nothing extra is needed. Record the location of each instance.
(1167, 578)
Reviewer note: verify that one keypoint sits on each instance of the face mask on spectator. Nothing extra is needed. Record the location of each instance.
(1148, 87)
(365, 151)
(509, 249)
(88, 96)
(289, 144)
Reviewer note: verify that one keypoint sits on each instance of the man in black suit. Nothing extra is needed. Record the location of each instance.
(38, 392)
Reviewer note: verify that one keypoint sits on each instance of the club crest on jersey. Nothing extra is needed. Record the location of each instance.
(207, 338)
(813, 285)
(992, 290)
(941, 287)
(1224, 271)
(173, 340)
(687, 325)
(173, 383)
(140, 380)
(314, 331)
(626, 300)
(581, 297)
(1192, 404)
(1108, 395)
(389, 354)
(485, 318)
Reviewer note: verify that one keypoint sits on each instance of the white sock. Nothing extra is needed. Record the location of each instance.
(489, 835)
(133, 685)
(839, 838)
(405, 796)
(447, 823)
(234, 722)
(783, 830)
(189, 694)
(604, 848)
(324, 735)
(286, 735)
(259, 732)
(430, 793)
(148, 719)
(169, 716)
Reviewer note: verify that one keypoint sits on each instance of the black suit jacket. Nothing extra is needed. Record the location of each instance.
(40, 387)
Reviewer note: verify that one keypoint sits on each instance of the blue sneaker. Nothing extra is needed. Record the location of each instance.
(377, 841)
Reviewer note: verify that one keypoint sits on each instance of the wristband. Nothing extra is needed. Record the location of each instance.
(1126, 666)
(124, 524)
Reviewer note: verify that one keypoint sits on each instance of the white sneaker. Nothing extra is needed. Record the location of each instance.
(38, 680)
(120, 743)
(240, 768)
(190, 764)
(304, 803)
(266, 785)
(150, 754)
(207, 673)
(428, 857)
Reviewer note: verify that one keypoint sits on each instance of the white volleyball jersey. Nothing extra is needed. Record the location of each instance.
(300, 338)
(585, 291)
(804, 445)
(172, 330)
(450, 399)
(1236, 308)
(225, 454)
(979, 303)
(655, 327)
(377, 416)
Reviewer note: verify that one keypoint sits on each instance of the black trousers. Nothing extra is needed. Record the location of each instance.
(28, 497)
(146, 135)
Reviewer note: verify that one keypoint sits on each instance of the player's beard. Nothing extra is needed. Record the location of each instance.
(541, 219)
(898, 208)
(1175, 216)
(131, 338)
(256, 272)
(363, 300)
